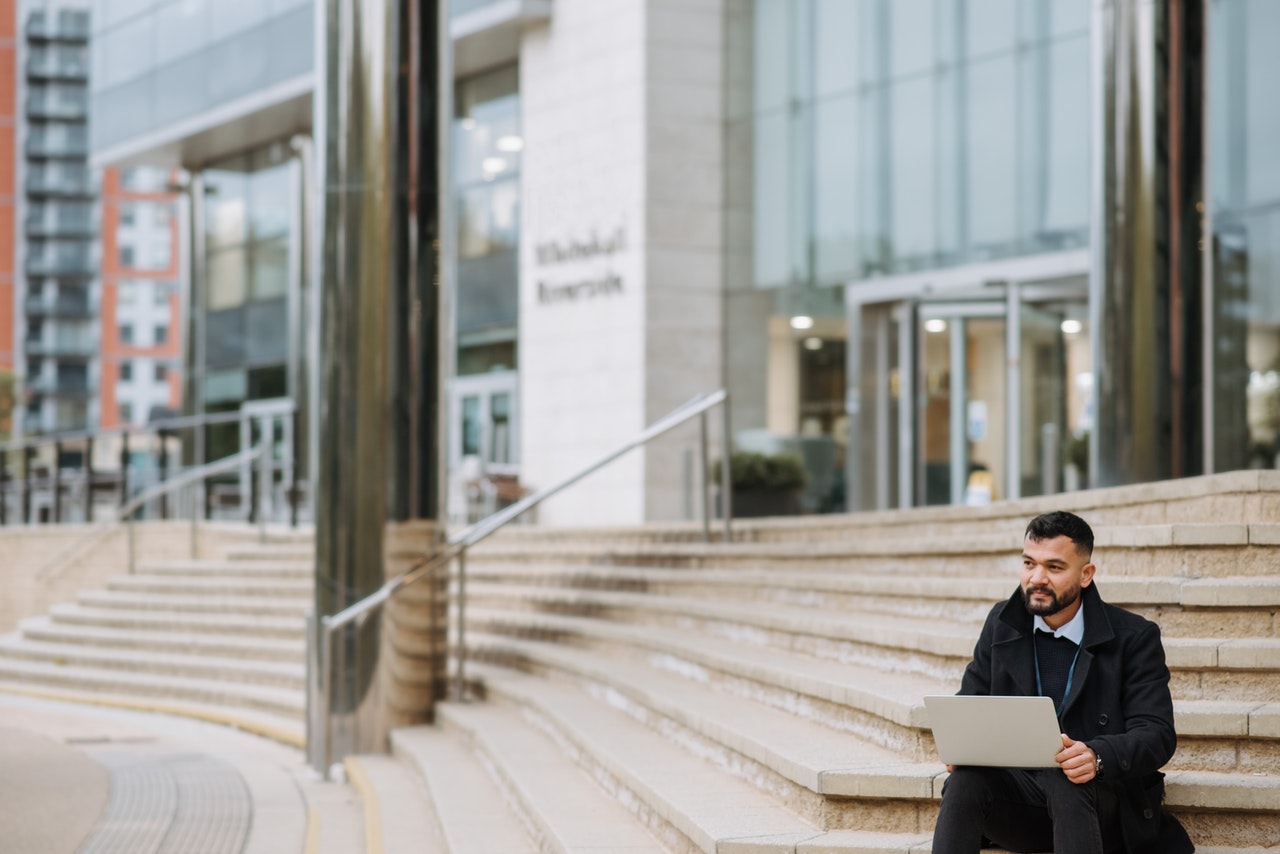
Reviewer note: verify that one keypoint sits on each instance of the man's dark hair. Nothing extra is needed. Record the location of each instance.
(1060, 523)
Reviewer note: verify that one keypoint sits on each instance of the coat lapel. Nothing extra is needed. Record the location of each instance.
(1097, 631)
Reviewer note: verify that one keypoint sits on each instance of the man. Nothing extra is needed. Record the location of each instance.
(1104, 668)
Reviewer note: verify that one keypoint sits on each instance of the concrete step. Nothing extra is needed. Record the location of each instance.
(229, 568)
(235, 645)
(302, 552)
(149, 686)
(466, 801)
(397, 809)
(606, 763)
(182, 585)
(1223, 808)
(831, 778)
(284, 675)
(881, 706)
(1184, 550)
(213, 603)
(121, 617)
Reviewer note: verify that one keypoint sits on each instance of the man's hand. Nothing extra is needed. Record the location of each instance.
(1077, 761)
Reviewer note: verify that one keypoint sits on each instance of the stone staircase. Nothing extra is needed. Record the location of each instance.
(639, 690)
(220, 639)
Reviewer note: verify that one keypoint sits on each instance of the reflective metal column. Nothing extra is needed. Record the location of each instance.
(1147, 279)
(379, 391)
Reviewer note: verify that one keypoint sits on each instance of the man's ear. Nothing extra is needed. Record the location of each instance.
(1086, 574)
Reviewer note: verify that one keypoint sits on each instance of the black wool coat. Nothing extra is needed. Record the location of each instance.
(1119, 705)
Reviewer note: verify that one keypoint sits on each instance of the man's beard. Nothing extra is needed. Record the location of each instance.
(1054, 605)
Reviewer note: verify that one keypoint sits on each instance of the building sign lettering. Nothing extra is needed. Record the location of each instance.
(555, 253)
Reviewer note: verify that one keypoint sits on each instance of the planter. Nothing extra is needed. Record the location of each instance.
(754, 503)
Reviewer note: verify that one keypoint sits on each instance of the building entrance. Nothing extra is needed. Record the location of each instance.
(970, 396)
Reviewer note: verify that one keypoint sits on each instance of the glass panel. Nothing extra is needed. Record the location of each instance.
(935, 413)
(500, 428)
(772, 220)
(1066, 173)
(911, 43)
(992, 153)
(226, 282)
(226, 203)
(913, 173)
(269, 269)
(470, 425)
(878, 426)
(1245, 177)
(269, 194)
(836, 26)
(1043, 392)
(985, 405)
(835, 215)
(772, 78)
(182, 27)
(992, 26)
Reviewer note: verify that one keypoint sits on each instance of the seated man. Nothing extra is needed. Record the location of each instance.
(1104, 668)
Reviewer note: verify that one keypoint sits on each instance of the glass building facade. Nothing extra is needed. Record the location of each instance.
(956, 269)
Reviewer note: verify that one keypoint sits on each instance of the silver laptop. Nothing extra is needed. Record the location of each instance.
(1005, 732)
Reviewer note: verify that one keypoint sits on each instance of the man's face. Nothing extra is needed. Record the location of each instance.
(1053, 574)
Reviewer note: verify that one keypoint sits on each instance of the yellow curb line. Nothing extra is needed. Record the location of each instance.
(360, 781)
(311, 845)
(274, 733)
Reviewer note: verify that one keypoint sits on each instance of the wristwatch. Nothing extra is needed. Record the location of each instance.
(1097, 764)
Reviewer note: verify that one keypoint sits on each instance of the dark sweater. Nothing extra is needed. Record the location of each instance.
(1055, 655)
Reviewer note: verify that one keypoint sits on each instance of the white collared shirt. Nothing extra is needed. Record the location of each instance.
(1072, 631)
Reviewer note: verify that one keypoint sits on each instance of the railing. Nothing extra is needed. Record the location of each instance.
(456, 547)
(130, 508)
(64, 472)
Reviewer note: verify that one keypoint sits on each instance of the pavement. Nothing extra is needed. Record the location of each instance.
(95, 780)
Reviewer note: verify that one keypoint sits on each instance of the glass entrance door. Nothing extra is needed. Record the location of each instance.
(973, 398)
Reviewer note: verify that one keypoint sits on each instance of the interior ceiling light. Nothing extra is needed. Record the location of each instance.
(813, 343)
(493, 165)
(1071, 327)
(802, 321)
(935, 324)
(510, 143)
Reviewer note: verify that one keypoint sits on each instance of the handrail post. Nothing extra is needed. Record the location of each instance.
(4, 487)
(57, 482)
(88, 480)
(124, 468)
(726, 476)
(460, 686)
(326, 692)
(704, 478)
(128, 524)
(27, 453)
(264, 484)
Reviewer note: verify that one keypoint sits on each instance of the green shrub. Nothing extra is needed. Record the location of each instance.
(755, 472)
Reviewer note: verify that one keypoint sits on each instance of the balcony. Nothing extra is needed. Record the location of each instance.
(57, 221)
(61, 105)
(63, 305)
(58, 142)
(63, 346)
(61, 261)
(63, 183)
(69, 26)
(59, 386)
(69, 65)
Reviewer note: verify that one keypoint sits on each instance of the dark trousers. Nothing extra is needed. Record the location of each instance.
(1025, 811)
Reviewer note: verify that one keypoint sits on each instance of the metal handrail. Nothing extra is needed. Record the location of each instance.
(194, 475)
(285, 407)
(457, 545)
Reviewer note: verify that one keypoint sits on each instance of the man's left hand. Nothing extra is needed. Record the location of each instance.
(1077, 761)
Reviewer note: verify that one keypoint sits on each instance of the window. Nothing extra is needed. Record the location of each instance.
(162, 334)
(126, 413)
(161, 294)
(126, 256)
(126, 333)
(162, 373)
(126, 371)
(128, 213)
(126, 293)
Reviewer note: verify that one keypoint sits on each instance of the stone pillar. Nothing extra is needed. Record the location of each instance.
(1146, 281)
(378, 106)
